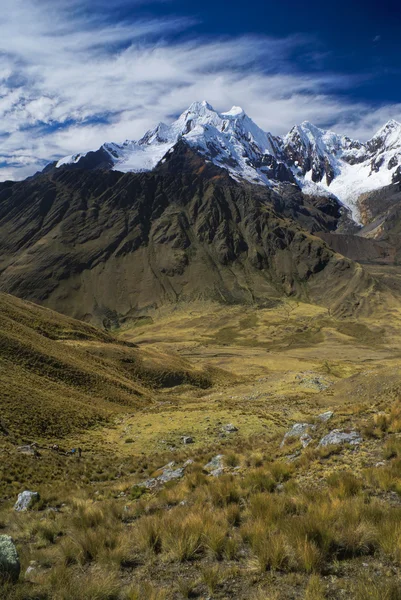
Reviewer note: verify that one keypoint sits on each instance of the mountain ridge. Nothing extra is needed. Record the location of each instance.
(104, 246)
(319, 161)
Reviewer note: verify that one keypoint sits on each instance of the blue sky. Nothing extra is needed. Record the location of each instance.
(75, 74)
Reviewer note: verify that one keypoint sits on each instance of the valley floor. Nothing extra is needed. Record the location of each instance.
(140, 515)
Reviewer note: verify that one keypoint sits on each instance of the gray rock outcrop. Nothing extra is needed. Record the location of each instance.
(26, 500)
(338, 437)
(10, 566)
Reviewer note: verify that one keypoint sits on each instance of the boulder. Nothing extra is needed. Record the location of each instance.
(297, 431)
(30, 450)
(338, 437)
(10, 566)
(26, 500)
(170, 474)
(187, 439)
(230, 428)
(326, 416)
(215, 464)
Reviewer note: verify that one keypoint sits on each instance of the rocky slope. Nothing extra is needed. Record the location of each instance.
(105, 246)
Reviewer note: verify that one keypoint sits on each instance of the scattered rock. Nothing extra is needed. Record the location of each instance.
(33, 572)
(297, 431)
(311, 380)
(230, 428)
(10, 566)
(215, 464)
(324, 417)
(380, 464)
(188, 463)
(26, 500)
(187, 439)
(29, 450)
(337, 437)
(168, 474)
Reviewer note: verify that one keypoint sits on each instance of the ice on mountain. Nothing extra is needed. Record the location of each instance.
(322, 162)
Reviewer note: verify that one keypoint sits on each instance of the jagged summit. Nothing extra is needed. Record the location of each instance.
(319, 161)
(236, 111)
(388, 136)
(231, 140)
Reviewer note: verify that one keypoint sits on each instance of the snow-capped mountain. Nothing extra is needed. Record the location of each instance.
(230, 140)
(320, 162)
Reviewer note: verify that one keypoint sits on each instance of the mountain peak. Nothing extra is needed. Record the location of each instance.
(236, 111)
(389, 136)
(200, 107)
(310, 126)
(392, 124)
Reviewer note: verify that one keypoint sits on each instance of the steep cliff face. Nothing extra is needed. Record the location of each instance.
(105, 246)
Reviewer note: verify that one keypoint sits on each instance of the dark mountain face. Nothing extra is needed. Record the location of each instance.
(105, 246)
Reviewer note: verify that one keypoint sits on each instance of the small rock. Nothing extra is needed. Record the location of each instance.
(380, 464)
(187, 439)
(296, 431)
(215, 464)
(30, 450)
(10, 566)
(337, 437)
(32, 572)
(170, 475)
(230, 428)
(324, 417)
(26, 500)
(188, 463)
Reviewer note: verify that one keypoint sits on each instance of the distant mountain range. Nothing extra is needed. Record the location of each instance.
(319, 162)
(210, 207)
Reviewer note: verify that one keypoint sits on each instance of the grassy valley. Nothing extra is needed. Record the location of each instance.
(240, 512)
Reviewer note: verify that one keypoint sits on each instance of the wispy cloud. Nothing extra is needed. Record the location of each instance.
(70, 80)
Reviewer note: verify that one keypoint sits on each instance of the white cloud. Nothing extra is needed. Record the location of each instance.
(69, 81)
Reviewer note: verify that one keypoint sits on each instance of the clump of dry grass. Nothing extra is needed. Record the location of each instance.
(315, 590)
(376, 590)
(211, 577)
